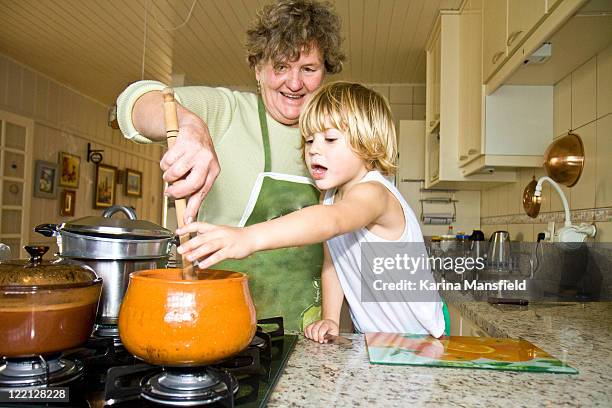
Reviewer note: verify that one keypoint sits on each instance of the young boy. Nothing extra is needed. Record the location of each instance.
(349, 143)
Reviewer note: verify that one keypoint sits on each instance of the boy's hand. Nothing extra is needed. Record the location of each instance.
(317, 330)
(215, 243)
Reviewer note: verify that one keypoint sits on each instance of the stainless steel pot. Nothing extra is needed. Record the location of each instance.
(113, 247)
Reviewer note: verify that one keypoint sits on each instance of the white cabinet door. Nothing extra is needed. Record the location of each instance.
(494, 32)
(15, 180)
(470, 81)
(523, 16)
(432, 82)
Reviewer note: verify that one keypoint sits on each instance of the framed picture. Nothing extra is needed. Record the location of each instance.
(45, 179)
(106, 178)
(68, 202)
(133, 183)
(69, 165)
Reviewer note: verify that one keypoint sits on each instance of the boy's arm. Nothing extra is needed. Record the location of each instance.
(332, 291)
(361, 206)
(332, 302)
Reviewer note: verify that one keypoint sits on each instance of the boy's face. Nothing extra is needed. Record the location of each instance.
(331, 161)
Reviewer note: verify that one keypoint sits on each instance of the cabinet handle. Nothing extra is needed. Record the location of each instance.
(497, 56)
(513, 37)
(462, 157)
(472, 152)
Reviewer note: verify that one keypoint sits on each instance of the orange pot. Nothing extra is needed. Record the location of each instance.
(165, 320)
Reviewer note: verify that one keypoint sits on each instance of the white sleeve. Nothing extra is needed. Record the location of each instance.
(125, 105)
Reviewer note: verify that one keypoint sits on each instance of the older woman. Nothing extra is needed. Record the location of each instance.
(255, 140)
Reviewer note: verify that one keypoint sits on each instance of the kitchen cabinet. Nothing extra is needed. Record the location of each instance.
(442, 169)
(16, 134)
(434, 68)
(463, 326)
(494, 36)
(551, 4)
(470, 81)
(527, 25)
(523, 16)
(490, 134)
(517, 127)
(506, 25)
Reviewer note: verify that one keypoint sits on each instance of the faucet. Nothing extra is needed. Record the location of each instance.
(569, 232)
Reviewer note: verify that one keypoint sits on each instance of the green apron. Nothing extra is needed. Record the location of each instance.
(283, 282)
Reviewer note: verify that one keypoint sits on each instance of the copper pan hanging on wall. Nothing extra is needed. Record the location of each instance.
(531, 203)
(564, 159)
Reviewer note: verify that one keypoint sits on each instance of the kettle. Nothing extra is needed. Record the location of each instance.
(498, 256)
(476, 245)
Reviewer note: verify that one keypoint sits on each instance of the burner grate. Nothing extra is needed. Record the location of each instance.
(246, 378)
(39, 371)
(190, 388)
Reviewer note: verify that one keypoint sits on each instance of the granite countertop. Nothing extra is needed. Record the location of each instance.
(580, 333)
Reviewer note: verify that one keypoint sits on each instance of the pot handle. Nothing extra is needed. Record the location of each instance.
(48, 230)
(128, 211)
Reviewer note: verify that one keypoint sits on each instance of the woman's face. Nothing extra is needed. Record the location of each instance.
(287, 86)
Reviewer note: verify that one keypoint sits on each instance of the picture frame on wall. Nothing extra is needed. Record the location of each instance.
(45, 179)
(68, 202)
(133, 183)
(69, 165)
(106, 180)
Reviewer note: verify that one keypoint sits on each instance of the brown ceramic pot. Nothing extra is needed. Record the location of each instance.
(45, 307)
(165, 320)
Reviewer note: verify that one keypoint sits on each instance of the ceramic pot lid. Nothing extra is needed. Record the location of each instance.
(36, 273)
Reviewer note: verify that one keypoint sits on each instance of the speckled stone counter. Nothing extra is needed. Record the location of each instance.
(581, 334)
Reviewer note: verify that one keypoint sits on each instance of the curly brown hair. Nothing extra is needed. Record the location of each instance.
(285, 28)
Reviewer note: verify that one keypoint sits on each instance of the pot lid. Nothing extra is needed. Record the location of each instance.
(125, 227)
(35, 273)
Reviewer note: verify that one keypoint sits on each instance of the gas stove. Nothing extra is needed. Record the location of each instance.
(103, 374)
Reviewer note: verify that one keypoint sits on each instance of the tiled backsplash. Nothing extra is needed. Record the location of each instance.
(582, 102)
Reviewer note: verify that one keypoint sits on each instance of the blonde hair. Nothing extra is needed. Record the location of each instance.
(361, 113)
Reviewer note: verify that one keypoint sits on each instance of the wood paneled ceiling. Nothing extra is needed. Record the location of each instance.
(96, 46)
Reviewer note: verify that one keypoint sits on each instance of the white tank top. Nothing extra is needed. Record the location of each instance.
(388, 317)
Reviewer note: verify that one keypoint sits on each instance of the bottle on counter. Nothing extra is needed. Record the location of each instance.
(463, 244)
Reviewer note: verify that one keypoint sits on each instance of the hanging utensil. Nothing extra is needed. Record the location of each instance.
(564, 159)
(171, 122)
(531, 203)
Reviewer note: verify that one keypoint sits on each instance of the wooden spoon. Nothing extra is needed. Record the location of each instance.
(171, 122)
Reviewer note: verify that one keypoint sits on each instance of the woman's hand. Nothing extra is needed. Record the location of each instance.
(214, 243)
(317, 330)
(191, 165)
